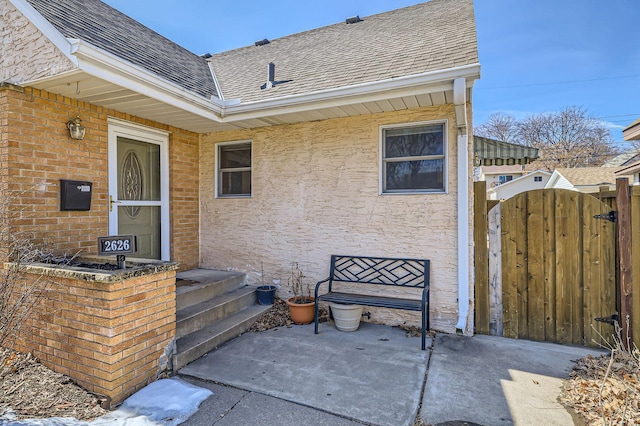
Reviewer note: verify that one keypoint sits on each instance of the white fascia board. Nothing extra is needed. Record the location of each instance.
(109, 67)
(628, 170)
(46, 28)
(428, 82)
(558, 181)
(632, 132)
(552, 179)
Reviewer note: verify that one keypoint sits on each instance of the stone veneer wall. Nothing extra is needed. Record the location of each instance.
(25, 53)
(316, 193)
(36, 152)
(110, 332)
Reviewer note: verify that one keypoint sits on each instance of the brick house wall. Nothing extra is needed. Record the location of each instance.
(37, 152)
(316, 193)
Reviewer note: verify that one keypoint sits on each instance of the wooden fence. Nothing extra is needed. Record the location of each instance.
(545, 268)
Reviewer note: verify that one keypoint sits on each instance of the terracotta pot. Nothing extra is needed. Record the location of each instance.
(302, 313)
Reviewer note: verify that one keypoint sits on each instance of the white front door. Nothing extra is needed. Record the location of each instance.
(139, 186)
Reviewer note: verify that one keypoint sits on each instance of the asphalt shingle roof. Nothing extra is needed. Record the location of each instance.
(588, 175)
(431, 36)
(623, 159)
(103, 26)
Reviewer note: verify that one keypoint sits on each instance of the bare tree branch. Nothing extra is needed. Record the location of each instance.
(568, 138)
(19, 294)
(499, 126)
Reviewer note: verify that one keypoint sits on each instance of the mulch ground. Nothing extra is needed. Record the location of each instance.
(603, 390)
(30, 390)
(278, 316)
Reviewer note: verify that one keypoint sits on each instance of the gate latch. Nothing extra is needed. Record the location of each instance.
(612, 216)
(612, 319)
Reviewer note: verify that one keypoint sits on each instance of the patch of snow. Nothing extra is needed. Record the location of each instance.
(166, 402)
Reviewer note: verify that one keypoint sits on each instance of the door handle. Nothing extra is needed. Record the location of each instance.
(112, 202)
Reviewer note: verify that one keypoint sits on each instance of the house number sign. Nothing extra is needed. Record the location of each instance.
(117, 244)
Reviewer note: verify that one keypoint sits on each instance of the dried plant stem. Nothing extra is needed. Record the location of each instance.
(19, 293)
(603, 384)
(301, 291)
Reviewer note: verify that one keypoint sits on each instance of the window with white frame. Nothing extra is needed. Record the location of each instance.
(414, 158)
(233, 169)
(505, 178)
(537, 178)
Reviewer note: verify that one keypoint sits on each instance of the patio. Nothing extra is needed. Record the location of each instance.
(378, 376)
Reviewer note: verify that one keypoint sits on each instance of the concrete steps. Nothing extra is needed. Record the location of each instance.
(213, 307)
(197, 285)
(194, 345)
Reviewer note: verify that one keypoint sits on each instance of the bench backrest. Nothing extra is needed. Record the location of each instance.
(380, 270)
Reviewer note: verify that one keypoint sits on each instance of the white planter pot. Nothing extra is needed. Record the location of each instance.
(346, 317)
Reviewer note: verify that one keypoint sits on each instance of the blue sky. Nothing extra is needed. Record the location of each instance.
(537, 56)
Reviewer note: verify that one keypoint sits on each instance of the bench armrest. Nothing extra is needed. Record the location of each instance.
(318, 286)
(425, 294)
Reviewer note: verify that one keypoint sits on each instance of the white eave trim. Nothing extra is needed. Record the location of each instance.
(629, 170)
(109, 67)
(102, 64)
(44, 26)
(552, 179)
(427, 82)
(632, 132)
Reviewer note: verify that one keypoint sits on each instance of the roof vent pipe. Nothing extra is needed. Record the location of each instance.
(271, 76)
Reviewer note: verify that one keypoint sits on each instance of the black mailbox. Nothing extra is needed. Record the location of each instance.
(75, 195)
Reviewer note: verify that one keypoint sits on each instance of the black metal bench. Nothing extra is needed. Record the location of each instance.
(408, 273)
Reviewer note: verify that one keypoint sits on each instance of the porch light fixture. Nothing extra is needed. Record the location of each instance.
(76, 129)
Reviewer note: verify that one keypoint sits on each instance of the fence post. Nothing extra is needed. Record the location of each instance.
(623, 242)
(481, 257)
(635, 265)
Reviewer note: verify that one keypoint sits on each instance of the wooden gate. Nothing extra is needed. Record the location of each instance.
(551, 268)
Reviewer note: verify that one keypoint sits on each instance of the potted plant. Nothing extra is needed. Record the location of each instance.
(301, 305)
(266, 293)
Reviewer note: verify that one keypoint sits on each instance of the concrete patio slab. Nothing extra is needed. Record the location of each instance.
(374, 375)
(497, 381)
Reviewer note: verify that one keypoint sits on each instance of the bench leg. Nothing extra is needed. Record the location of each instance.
(316, 318)
(424, 329)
